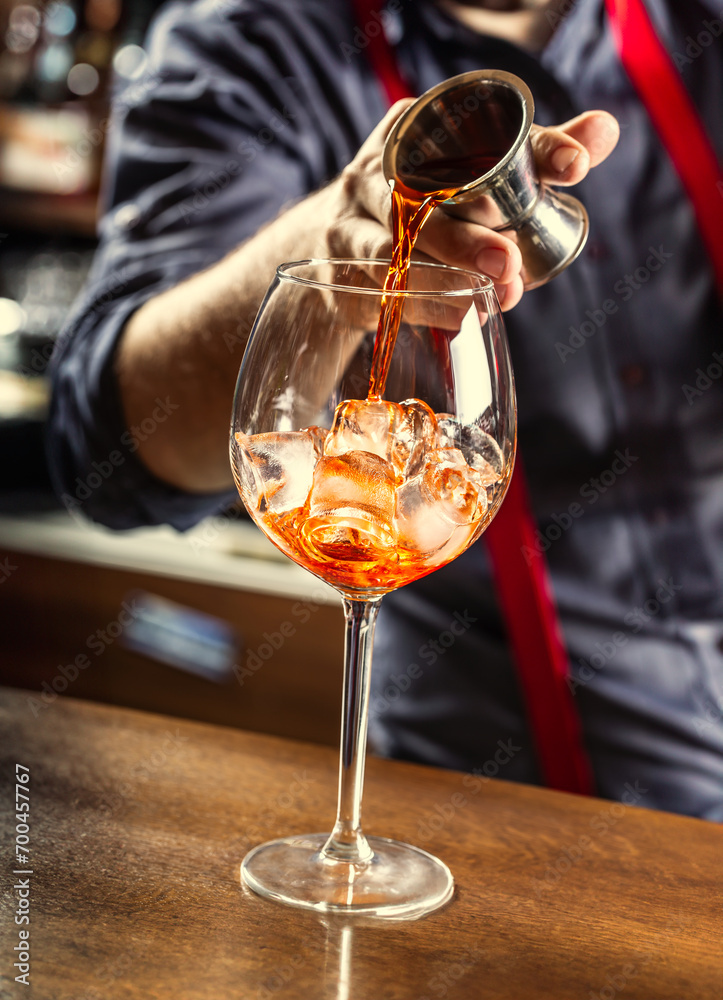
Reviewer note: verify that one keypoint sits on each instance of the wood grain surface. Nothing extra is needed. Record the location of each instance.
(139, 822)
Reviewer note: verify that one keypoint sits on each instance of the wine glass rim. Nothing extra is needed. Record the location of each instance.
(482, 282)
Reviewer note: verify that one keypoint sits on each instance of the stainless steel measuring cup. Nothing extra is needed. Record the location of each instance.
(472, 133)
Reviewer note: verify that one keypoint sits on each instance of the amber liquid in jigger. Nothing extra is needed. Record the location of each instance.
(391, 491)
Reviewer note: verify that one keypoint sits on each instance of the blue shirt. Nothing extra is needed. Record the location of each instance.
(247, 105)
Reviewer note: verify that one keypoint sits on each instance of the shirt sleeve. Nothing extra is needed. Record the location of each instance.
(243, 107)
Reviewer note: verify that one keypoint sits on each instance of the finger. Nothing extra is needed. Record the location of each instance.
(510, 294)
(370, 241)
(363, 179)
(379, 133)
(364, 189)
(465, 244)
(598, 131)
(368, 160)
(360, 237)
(565, 154)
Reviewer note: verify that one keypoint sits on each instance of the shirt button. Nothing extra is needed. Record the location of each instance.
(632, 376)
(127, 217)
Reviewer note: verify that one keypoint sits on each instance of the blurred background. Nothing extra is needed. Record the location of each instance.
(214, 625)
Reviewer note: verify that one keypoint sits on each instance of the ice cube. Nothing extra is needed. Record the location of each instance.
(460, 540)
(445, 498)
(419, 522)
(488, 476)
(453, 485)
(431, 506)
(351, 507)
(449, 430)
(276, 470)
(357, 479)
(480, 450)
(319, 435)
(363, 425)
(415, 435)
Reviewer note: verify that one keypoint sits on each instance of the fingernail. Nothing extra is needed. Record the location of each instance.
(492, 262)
(563, 158)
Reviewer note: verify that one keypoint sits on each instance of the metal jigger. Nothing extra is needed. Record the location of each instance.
(472, 132)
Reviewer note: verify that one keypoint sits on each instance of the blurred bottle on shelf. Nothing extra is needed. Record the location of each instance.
(57, 61)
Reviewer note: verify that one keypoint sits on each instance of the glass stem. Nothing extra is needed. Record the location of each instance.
(347, 843)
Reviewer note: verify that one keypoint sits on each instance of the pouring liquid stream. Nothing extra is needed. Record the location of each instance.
(408, 216)
(410, 211)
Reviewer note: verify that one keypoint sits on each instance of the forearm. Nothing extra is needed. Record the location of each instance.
(187, 344)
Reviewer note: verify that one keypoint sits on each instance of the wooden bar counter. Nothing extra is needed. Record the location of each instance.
(138, 823)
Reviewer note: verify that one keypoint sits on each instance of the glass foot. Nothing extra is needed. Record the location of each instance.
(400, 881)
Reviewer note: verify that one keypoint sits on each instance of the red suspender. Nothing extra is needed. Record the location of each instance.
(381, 55)
(675, 118)
(524, 590)
(528, 606)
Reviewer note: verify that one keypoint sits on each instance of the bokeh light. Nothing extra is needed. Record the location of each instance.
(130, 61)
(12, 317)
(83, 79)
(60, 19)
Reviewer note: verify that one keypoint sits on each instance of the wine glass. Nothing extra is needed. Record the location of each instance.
(369, 494)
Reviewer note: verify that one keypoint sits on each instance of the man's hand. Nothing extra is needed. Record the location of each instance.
(187, 342)
(360, 216)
